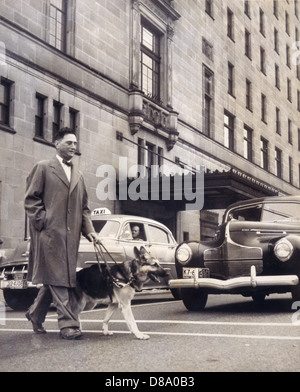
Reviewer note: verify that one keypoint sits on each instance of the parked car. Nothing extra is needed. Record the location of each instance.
(115, 232)
(17, 292)
(256, 252)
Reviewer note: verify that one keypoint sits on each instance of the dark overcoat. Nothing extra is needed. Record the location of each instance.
(58, 213)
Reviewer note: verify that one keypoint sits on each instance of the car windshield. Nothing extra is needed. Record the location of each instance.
(281, 211)
(106, 228)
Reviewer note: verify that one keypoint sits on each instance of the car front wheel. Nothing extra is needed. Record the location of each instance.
(20, 299)
(193, 299)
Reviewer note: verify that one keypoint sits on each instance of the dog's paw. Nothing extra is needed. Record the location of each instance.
(107, 333)
(142, 336)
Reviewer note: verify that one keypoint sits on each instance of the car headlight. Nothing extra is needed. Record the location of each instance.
(183, 254)
(283, 249)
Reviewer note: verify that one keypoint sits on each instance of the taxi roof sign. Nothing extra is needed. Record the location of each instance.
(100, 211)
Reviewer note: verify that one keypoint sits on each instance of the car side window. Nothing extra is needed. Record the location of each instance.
(126, 233)
(252, 214)
(129, 232)
(281, 211)
(157, 234)
(137, 231)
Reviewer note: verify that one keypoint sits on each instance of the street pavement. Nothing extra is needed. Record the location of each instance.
(230, 335)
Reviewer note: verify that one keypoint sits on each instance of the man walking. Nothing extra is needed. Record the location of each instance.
(56, 204)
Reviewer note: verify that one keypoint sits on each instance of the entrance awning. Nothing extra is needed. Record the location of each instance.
(220, 190)
(224, 188)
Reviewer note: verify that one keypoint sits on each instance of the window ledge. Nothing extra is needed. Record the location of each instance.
(8, 129)
(43, 141)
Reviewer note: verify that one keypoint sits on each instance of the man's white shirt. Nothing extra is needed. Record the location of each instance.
(66, 168)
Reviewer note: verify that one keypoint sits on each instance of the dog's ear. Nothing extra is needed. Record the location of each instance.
(143, 250)
(136, 252)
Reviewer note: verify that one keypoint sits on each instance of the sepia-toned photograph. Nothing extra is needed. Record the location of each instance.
(150, 188)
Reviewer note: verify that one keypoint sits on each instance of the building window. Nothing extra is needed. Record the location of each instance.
(298, 139)
(263, 60)
(287, 23)
(73, 120)
(276, 40)
(278, 162)
(56, 124)
(288, 56)
(275, 8)
(208, 100)
(289, 90)
(248, 95)
(247, 8)
(298, 100)
(277, 77)
(278, 126)
(39, 117)
(74, 123)
(290, 170)
(262, 22)
(209, 7)
(149, 155)
(150, 62)
(298, 70)
(263, 108)
(248, 44)
(248, 143)
(290, 132)
(297, 9)
(230, 25)
(264, 155)
(229, 131)
(58, 24)
(5, 101)
(230, 79)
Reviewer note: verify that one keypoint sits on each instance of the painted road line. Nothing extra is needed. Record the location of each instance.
(186, 334)
(182, 322)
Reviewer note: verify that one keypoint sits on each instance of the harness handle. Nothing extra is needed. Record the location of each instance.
(98, 245)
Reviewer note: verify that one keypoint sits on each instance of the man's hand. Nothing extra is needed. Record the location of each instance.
(93, 237)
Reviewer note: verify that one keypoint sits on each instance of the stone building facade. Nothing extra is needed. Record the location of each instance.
(176, 83)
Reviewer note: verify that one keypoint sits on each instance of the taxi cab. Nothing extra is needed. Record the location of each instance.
(115, 232)
(255, 253)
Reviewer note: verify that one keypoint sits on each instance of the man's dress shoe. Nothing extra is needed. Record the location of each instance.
(70, 333)
(37, 328)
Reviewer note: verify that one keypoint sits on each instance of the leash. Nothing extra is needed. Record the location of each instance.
(99, 247)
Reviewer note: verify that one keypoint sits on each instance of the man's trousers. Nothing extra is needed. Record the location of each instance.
(64, 299)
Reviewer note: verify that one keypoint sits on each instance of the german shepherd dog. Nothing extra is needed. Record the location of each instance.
(116, 286)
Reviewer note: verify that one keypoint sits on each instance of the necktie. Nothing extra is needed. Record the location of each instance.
(68, 163)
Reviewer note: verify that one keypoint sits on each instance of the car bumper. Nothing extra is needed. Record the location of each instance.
(234, 283)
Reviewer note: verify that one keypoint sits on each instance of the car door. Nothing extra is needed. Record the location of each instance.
(161, 244)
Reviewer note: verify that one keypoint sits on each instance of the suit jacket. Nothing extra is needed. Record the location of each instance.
(58, 213)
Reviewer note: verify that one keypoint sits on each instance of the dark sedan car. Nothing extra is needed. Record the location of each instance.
(256, 252)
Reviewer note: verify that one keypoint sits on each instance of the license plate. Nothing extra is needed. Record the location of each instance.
(17, 284)
(195, 273)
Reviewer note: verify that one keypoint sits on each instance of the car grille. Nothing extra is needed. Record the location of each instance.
(11, 272)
